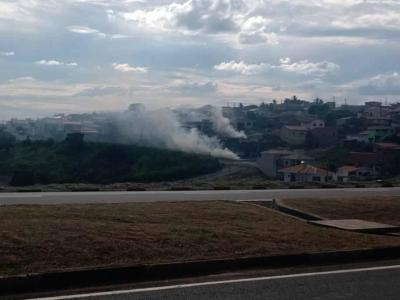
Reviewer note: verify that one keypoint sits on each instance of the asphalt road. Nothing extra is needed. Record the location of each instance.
(370, 283)
(123, 197)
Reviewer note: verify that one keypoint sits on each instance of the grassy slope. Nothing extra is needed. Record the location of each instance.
(103, 163)
(45, 238)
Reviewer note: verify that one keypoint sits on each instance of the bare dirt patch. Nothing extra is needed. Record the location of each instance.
(381, 209)
(61, 237)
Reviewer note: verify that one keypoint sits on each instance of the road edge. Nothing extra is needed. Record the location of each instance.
(96, 277)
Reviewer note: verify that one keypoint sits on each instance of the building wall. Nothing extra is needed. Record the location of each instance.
(325, 136)
(293, 137)
(316, 124)
(267, 163)
(299, 178)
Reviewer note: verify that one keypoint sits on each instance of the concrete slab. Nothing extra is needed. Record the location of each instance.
(357, 225)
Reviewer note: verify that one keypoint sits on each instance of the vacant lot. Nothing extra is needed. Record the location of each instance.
(46, 238)
(382, 209)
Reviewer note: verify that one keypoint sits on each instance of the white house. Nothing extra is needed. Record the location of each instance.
(305, 173)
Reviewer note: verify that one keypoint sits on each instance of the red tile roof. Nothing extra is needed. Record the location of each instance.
(388, 146)
(304, 169)
(364, 158)
(348, 168)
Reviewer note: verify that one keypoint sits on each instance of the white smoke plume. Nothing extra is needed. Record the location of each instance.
(161, 128)
(222, 125)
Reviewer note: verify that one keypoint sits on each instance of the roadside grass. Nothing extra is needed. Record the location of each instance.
(378, 209)
(36, 239)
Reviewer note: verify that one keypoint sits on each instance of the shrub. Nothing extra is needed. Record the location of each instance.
(221, 188)
(180, 188)
(135, 189)
(22, 178)
(296, 187)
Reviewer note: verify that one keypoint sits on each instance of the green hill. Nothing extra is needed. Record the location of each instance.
(74, 161)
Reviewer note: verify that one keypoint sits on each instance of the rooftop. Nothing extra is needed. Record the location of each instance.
(299, 128)
(298, 156)
(388, 146)
(305, 169)
(348, 168)
(278, 151)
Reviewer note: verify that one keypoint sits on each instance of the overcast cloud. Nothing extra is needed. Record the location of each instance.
(91, 55)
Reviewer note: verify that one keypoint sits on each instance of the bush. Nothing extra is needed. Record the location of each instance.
(22, 178)
(100, 163)
(85, 189)
(259, 187)
(296, 186)
(29, 190)
(387, 184)
(135, 189)
(180, 188)
(7, 140)
(221, 188)
(328, 186)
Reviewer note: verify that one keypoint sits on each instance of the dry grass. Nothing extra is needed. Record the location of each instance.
(382, 209)
(49, 238)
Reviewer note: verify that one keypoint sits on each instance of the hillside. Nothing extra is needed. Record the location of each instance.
(74, 161)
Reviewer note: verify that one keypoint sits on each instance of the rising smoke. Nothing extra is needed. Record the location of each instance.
(222, 125)
(162, 129)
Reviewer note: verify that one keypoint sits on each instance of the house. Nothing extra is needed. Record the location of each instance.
(369, 160)
(315, 124)
(379, 121)
(305, 173)
(388, 156)
(353, 173)
(385, 159)
(294, 135)
(343, 121)
(374, 109)
(324, 136)
(295, 159)
(359, 137)
(271, 161)
(380, 133)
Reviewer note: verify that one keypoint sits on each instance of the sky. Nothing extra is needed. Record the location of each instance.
(100, 55)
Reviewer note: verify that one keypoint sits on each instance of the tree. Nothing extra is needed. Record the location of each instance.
(7, 140)
(74, 142)
(311, 141)
(320, 110)
(318, 101)
(23, 178)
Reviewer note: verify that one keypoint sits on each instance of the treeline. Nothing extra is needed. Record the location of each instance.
(75, 161)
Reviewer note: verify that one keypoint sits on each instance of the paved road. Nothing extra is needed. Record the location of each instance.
(122, 197)
(366, 284)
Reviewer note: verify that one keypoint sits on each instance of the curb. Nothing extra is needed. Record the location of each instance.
(297, 212)
(89, 278)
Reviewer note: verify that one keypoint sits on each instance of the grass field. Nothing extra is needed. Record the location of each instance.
(382, 209)
(60, 237)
